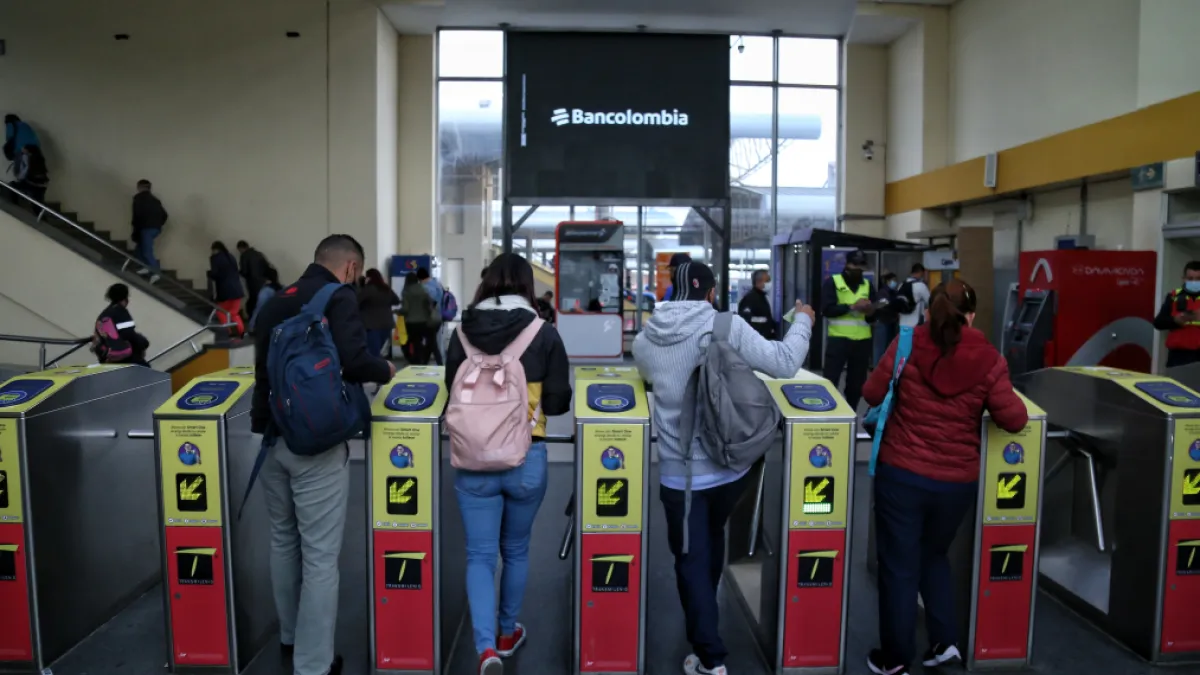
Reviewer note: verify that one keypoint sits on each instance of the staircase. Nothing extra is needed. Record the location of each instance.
(182, 295)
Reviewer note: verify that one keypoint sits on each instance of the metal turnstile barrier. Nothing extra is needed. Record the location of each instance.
(1121, 537)
(407, 570)
(789, 539)
(77, 543)
(612, 471)
(219, 607)
(995, 555)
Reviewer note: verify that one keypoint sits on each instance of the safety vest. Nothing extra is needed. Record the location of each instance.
(1187, 336)
(853, 325)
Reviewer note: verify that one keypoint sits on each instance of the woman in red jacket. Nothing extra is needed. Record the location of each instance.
(927, 476)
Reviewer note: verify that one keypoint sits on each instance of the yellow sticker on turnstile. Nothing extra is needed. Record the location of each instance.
(11, 510)
(21, 394)
(1012, 474)
(1185, 471)
(211, 395)
(402, 457)
(821, 465)
(613, 461)
(191, 472)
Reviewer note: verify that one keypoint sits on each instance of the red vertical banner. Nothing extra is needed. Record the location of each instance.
(403, 579)
(610, 611)
(16, 632)
(1004, 592)
(816, 563)
(1181, 598)
(196, 583)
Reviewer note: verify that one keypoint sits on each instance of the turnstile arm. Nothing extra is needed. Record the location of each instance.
(142, 434)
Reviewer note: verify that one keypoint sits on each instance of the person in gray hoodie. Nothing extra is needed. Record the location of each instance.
(667, 351)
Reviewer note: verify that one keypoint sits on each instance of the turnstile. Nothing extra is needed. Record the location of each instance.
(789, 540)
(612, 471)
(219, 606)
(404, 475)
(995, 555)
(1121, 537)
(77, 543)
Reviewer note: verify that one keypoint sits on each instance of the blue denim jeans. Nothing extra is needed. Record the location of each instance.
(145, 247)
(498, 511)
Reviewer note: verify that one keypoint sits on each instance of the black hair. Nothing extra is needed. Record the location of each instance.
(422, 274)
(337, 247)
(242, 244)
(219, 247)
(917, 268)
(483, 272)
(11, 119)
(143, 183)
(1193, 266)
(273, 278)
(375, 278)
(117, 293)
(410, 279)
(887, 276)
(509, 274)
(756, 275)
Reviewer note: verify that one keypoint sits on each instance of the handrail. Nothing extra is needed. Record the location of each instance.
(188, 339)
(75, 344)
(124, 254)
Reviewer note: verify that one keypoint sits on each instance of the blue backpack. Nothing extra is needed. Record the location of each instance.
(449, 306)
(312, 408)
(876, 418)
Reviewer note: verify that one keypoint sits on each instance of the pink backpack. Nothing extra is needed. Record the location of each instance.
(108, 344)
(488, 414)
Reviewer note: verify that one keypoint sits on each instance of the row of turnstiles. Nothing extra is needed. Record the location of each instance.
(1112, 527)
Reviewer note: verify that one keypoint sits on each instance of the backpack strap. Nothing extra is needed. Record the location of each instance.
(517, 347)
(320, 302)
(722, 325)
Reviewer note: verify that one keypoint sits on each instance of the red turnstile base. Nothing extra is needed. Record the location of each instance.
(196, 583)
(812, 633)
(16, 638)
(1180, 627)
(1005, 592)
(610, 611)
(402, 590)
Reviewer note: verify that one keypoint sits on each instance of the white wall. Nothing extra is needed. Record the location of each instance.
(418, 148)
(1168, 50)
(244, 132)
(387, 134)
(43, 309)
(865, 109)
(1057, 213)
(1026, 69)
(905, 104)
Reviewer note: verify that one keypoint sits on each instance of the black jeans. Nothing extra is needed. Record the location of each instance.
(914, 528)
(853, 356)
(1181, 357)
(698, 573)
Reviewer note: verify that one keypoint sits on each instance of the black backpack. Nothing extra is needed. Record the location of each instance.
(904, 301)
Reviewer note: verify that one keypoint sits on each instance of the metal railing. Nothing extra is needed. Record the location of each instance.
(189, 339)
(74, 343)
(42, 211)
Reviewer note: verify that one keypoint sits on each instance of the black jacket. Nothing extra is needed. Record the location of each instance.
(547, 369)
(756, 310)
(223, 273)
(358, 365)
(127, 329)
(253, 266)
(148, 212)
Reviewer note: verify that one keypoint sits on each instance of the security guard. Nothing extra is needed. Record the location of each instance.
(755, 308)
(848, 305)
(1180, 316)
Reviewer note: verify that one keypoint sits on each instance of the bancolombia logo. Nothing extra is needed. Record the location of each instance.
(663, 118)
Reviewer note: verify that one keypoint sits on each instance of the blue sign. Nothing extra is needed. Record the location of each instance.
(820, 457)
(208, 394)
(809, 397)
(401, 265)
(1194, 450)
(1170, 394)
(411, 396)
(402, 457)
(1014, 454)
(610, 398)
(19, 391)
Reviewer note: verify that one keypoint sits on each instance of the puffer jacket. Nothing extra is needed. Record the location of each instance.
(935, 424)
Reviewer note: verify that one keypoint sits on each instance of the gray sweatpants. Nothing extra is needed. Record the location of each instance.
(306, 500)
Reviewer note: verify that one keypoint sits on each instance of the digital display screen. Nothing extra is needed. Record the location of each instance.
(610, 573)
(637, 116)
(402, 495)
(1010, 491)
(815, 569)
(818, 495)
(402, 570)
(194, 566)
(191, 493)
(612, 498)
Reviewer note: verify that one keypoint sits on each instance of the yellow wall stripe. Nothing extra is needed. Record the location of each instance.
(1156, 133)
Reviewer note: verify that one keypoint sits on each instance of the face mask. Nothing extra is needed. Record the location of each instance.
(893, 285)
(1192, 286)
(767, 288)
(853, 276)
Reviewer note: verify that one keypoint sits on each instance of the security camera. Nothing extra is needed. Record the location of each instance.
(741, 49)
(868, 150)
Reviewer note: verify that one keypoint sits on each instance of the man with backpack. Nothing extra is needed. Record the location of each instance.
(913, 297)
(702, 365)
(446, 309)
(309, 326)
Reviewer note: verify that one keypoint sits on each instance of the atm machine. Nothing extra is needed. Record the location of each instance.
(589, 292)
(1121, 533)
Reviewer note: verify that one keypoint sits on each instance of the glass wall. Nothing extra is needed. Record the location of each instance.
(784, 109)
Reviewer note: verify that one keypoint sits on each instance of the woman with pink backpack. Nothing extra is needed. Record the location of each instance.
(507, 371)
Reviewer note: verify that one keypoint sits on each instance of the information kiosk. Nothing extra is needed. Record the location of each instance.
(77, 543)
(1121, 538)
(220, 609)
(589, 269)
(794, 594)
(404, 475)
(612, 472)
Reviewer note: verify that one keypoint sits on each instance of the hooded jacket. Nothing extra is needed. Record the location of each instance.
(668, 350)
(490, 326)
(934, 427)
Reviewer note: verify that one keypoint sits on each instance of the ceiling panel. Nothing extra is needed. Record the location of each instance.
(830, 18)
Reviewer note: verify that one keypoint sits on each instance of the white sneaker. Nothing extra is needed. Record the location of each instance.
(692, 666)
(940, 655)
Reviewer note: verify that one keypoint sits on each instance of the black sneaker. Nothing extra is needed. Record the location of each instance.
(335, 668)
(940, 655)
(879, 665)
(288, 651)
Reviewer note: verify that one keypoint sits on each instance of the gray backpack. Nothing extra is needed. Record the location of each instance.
(735, 416)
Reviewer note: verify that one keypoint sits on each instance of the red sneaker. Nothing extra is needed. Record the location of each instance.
(507, 645)
(490, 663)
